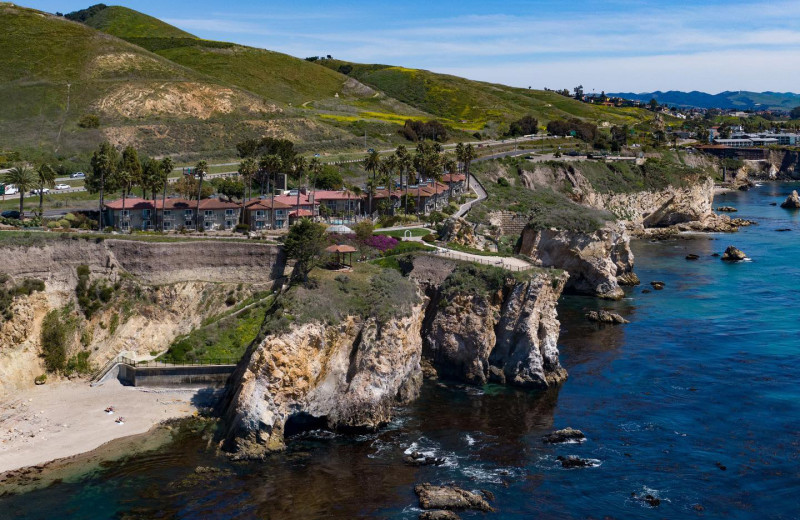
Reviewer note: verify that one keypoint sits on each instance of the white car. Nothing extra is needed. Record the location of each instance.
(63, 186)
(11, 189)
(77, 175)
(43, 190)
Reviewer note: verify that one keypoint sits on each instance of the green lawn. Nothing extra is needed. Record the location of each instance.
(415, 232)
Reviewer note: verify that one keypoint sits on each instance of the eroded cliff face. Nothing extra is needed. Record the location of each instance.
(596, 262)
(509, 337)
(344, 376)
(350, 375)
(161, 291)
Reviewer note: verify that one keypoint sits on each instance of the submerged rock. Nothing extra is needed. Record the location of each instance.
(781, 230)
(450, 497)
(727, 209)
(573, 461)
(792, 201)
(438, 515)
(565, 435)
(416, 458)
(733, 254)
(648, 499)
(658, 285)
(692, 257)
(606, 317)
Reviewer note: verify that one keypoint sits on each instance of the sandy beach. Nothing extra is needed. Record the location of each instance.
(59, 420)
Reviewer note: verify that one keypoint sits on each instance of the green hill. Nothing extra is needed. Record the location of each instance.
(476, 103)
(126, 23)
(139, 97)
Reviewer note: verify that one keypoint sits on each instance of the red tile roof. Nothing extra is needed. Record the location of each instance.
(138, 203)
(256, 204)
(303, 213)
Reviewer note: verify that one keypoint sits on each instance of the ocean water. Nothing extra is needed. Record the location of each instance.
(695, 402)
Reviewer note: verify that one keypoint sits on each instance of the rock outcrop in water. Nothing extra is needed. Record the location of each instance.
(792, 201)
(341, 376)
(507, 334)
(733, 254)
(475, 324)
(594, 261)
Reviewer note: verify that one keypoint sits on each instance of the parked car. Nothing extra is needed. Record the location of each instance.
(11, 189)
(10, 214)
(63, 186)
(77, 175)
(36, 191)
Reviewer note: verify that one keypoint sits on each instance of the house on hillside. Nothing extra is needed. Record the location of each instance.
(263, 214)
(148, 215)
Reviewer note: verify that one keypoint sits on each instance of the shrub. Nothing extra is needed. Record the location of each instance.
(40, 379)
(240, 228)
(91, 296)
(54, 342)
(502, 181)
(429, 238)
(382, 243)
(407, 247)
(113, 324)
(64, 223)
(53, 225)
(79, 363)
(89, 121)
(230, 300)
(364, 230)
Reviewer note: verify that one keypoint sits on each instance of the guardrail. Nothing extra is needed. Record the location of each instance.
(474, 257)
(162, 363)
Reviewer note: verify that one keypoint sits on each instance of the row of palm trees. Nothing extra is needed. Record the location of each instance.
(25, 178)
(265, 171)
(428, 161)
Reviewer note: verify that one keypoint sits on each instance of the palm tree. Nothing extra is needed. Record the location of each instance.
(386, 179)
(469, 155)
(199, 171)
(299, 166)
(46, 177)
(166, 167)
(123, 178)
(22, 177)
(131, 164)
(451, 165)
(271, 164)
(102, 167)
(372, 163)
(460, 153)
(247, 169)
(405, 165)
(315, 167)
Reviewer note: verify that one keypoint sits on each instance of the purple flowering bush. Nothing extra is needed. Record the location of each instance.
(381, 242)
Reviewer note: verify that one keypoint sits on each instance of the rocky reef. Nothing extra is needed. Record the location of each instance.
(472, 323)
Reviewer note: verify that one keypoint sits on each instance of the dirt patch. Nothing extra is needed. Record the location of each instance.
(117, 63)
(179, 99)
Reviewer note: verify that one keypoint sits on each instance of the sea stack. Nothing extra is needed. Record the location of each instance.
(792, 201)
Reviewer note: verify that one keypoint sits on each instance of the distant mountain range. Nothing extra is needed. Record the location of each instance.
(737, 100)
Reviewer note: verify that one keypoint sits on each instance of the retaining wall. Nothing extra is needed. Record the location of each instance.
(207, 375)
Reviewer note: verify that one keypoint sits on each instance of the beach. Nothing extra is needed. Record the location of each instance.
(54, 421)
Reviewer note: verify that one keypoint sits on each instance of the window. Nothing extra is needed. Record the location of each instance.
(188, 224)
(260, 213)
(145, 213)
(125, 213)
(167, 225)
(228, 224)
(146, 224)
(209, 213)
(228, 212)
(167, 213)
(187, 213)
(259, 225)
(208, 225)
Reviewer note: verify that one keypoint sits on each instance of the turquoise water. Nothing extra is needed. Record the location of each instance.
(696, 402)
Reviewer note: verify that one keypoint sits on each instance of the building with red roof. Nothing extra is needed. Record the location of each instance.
(171, 214)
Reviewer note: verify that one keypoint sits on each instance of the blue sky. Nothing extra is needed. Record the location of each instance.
(616, 45)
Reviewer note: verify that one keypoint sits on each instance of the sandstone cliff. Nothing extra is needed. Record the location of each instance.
(341, 376)
(475, 324)
(160, 291)
(594, 261)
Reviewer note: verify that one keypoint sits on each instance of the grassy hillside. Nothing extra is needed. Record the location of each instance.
(474, 104)
(127, 23)
(141, 98)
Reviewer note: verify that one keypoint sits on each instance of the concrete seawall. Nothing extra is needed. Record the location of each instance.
(173, 376)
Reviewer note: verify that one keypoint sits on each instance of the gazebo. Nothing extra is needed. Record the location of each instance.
(340, 251)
